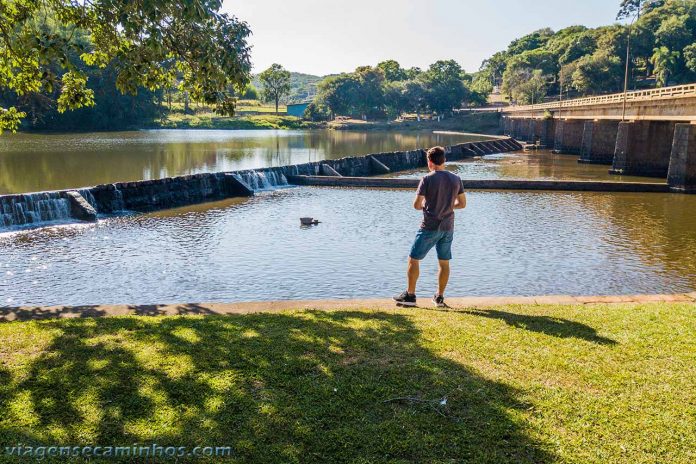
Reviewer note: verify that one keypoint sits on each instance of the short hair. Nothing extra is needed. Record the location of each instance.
(436, 155)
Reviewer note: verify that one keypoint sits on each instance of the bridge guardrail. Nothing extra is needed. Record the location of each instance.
(678, 91)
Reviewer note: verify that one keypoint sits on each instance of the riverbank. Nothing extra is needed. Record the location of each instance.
(482, 123)
(478, 123)
(25, 313)
(522, 383)
(213, 121)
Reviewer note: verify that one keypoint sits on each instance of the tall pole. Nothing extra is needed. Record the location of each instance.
(560, 94)
(628, 56)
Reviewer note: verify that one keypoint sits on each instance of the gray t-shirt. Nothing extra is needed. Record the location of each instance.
(440, 189)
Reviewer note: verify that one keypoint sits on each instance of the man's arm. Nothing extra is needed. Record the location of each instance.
(419, 202)
(460, 201)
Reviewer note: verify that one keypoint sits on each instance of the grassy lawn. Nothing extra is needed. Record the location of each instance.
(517, 384)
(210, 120)
(242, 105)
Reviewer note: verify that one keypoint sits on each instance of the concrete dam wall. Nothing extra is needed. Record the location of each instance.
(147, 195)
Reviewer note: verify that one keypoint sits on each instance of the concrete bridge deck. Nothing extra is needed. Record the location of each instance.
(677, 103)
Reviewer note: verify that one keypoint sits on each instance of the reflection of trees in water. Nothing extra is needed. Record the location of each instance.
(71, 161)
(659, 228)
(546, 165)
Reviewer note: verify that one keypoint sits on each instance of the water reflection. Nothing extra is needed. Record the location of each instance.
(34, 162)
(542, 165)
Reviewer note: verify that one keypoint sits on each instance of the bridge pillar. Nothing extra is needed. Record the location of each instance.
(598, 142)
(530, 130)
(682, 165)
(511, 127)
(507, 125)
(568, 136)
(544, 131)
(643, 148)
(517, 131)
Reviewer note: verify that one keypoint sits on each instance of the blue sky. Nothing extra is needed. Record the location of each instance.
(330, 36)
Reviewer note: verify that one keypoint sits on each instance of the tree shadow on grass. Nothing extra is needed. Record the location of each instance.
(12, 313)
(16, 313)
(291, 387)
(554, 326)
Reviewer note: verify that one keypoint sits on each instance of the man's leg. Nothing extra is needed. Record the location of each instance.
(424, 241)
(413, 273)
(442, 276)
(444, 255)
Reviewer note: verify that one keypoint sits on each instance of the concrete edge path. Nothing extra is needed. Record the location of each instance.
(27, 313)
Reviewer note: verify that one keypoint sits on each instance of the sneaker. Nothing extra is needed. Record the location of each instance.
(439, 300)
(405, 299)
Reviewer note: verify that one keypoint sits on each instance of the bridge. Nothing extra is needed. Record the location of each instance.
(648, 133)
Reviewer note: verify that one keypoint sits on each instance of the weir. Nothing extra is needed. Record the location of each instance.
(33, 209)
(487, 184)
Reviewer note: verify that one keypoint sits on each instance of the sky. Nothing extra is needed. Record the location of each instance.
(331, 36)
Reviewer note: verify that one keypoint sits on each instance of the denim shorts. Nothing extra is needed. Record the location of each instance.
(427, 239)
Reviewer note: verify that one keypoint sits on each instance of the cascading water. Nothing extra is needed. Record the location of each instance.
(266, 179)
(87, 195)
(18, 210)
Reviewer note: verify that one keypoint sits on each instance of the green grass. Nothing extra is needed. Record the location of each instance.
(522, 384)
(204, 120)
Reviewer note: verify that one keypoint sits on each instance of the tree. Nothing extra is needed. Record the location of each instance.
(148, 43)
(395, 98)
(493, 68)
(415, 95)
(338, 93)
(675, 32)
(629, 8)
(576, 46)
(369, 96)
(445, 89)
(690, 57)
(316, 112)
(250, 93)
(531, 41)
(664, 61)
(393, 72)
(413, 73)
(597, 73)
(533, 90)
(276, 84)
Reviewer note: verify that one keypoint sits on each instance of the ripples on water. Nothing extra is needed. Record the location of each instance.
(507, 243)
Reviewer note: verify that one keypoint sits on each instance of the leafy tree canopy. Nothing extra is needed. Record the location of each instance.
(590, 61)
(636, 7)
(393, 71)
(148, 43)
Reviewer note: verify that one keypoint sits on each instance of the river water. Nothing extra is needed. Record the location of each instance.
(37, 162)
(507, 243)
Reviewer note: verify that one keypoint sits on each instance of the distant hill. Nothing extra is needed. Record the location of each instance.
(302, 86)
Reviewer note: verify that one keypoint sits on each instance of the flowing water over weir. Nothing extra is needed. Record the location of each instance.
(33, 209)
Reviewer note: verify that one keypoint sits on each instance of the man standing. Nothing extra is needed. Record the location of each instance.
(439, 194)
